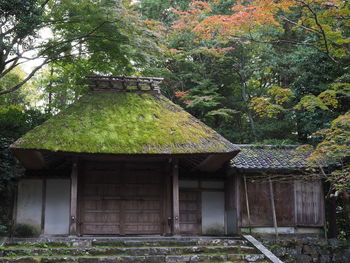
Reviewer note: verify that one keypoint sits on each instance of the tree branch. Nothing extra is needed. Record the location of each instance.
(323, 34)
(29, 76)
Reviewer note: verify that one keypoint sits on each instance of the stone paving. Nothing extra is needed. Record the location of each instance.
(129, 250)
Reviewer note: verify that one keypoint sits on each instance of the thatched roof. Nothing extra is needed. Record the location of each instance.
(270, 157)
(125, 123)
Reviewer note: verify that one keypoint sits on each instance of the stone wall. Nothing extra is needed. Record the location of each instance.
(307, 250)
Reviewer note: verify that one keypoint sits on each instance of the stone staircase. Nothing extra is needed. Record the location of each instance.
(129, 250)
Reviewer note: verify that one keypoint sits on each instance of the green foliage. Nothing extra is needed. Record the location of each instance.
(14, 122)
(87, 37)
(160, 9)
(3, 231)
(334, 149)
(343, 212)
(26, 230)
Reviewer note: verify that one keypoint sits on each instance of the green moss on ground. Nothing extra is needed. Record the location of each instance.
(124, 123)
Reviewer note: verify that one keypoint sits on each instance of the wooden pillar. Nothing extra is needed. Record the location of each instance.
(332, 230)
(273, 208)
(247, 203)
(167, 195)
(43, 206)
(73, 200)
(176, 206)
(230, 203)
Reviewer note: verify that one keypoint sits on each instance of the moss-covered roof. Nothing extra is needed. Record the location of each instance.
(124, 123)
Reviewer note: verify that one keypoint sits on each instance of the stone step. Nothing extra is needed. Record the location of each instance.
(131, 251)
(141, 259)
(168, 243)
(81, 242)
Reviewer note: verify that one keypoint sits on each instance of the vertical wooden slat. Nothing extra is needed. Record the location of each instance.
(176, 207)
(73, 200)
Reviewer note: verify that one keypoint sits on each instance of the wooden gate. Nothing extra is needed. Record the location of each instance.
(121, 199)
(190, 212)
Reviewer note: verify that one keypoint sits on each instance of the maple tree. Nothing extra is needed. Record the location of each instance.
(89, 35)
(317, 29)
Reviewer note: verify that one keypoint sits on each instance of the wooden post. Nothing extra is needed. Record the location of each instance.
(176, 206)
(273, 208)
(332, 231)
(168, 199)
(247, 203)
(231, 212)
(73, 200)
(14, 211)
(43, 206)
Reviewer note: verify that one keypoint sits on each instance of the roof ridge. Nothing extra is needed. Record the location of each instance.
(100, 83)
(272, 146)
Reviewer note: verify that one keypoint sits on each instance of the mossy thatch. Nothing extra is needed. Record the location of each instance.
(124, 123)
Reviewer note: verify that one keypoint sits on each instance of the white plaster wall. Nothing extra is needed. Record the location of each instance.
(283, 230)
(57, 207)
(29, 202)
(213, 213)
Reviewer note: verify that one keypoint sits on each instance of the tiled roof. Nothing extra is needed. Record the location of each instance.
(269, 157)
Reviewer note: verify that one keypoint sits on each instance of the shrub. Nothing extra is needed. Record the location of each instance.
(26, 230)
(3, 230)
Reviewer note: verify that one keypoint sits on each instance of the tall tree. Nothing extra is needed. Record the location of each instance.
(99, 31)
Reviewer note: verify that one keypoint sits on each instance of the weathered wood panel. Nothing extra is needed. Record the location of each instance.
(309, 203)
(190, 212)
(284, 203)
(259, 205)
(297, 204)
(122, 199)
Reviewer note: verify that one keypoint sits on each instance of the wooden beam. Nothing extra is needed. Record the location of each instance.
(267, 253)
(273, 208)
(247, 203)
(30, 159)
(176, 206)
(215, 161)
(74, 200)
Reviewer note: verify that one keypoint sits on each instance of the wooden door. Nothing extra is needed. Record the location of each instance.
(309, 203)
(190, 212)
(121, 199)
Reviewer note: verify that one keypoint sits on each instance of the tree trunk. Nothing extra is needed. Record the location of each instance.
(249, 112)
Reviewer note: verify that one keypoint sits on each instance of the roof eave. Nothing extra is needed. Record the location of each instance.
(34, 158)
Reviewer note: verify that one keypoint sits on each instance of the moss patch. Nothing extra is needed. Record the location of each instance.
(124, 123)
